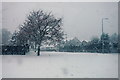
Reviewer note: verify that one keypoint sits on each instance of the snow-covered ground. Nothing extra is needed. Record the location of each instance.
(60, 65)
(0, 67)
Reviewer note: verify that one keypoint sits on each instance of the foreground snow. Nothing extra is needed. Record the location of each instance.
(0, 67)
(60, 65)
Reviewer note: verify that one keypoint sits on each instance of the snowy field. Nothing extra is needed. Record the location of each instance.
(0, 66)
(60, 65)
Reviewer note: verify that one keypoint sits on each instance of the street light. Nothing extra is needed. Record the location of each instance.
(102, 34)
(102, 23)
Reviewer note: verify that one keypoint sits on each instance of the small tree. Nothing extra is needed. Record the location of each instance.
(114, 42)
(105, 40)
(41, 26)
(95, 44)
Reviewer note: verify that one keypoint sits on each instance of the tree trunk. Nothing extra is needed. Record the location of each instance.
(35, 47)
(38, 53)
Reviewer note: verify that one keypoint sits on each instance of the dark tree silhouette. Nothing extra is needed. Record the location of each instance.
(41, 26)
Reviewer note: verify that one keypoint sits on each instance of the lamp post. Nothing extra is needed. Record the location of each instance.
(102, 34)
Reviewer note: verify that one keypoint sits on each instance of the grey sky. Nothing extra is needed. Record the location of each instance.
(82, 19)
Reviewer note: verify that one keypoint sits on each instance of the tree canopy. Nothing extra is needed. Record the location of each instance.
(41, 27)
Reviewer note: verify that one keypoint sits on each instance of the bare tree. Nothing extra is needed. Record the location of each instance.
(42, 26)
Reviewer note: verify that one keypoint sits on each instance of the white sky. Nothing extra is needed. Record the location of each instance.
(81, 19)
